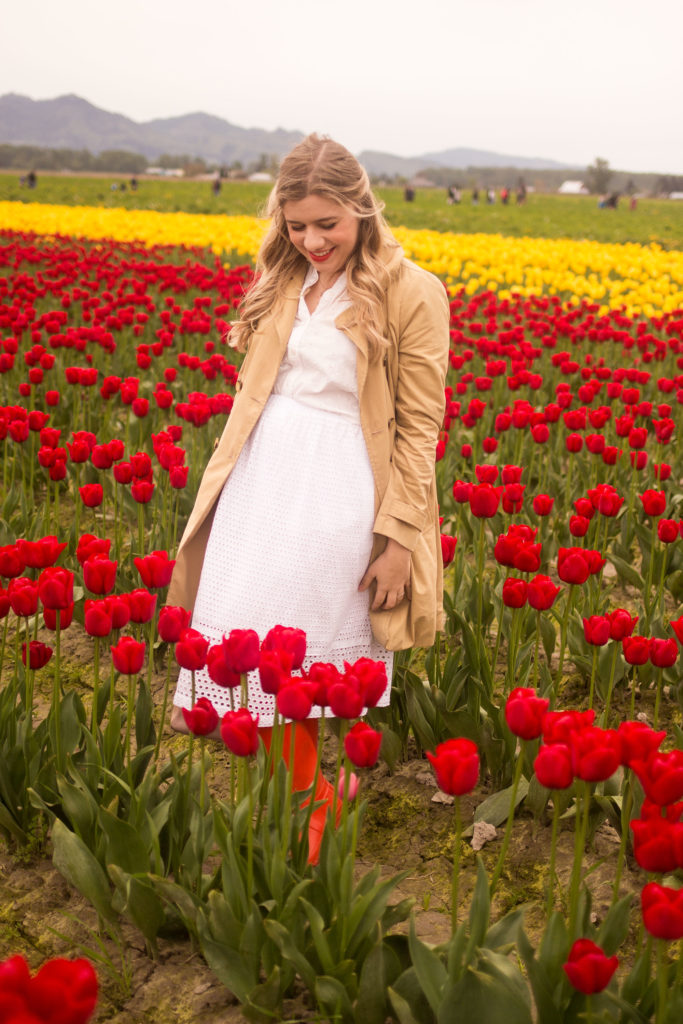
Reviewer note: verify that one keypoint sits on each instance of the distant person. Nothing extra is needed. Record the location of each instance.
(475, 196)
(216, 185)
(490, 196)
(409, 194)
(454, 195)
(633, 204)
(133, 184)
(122, 186)
(31, 179)
(504, 195)
(521, 192)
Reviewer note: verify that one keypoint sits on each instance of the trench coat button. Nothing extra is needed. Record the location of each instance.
(238, 385)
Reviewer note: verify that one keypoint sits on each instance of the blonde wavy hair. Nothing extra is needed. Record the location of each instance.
(319, 166)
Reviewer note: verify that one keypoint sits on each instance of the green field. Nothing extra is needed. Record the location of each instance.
(547, 216)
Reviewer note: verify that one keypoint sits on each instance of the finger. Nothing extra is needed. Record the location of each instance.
(380, 598)
(366, 581)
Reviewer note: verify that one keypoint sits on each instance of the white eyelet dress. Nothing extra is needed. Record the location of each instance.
(292, 534)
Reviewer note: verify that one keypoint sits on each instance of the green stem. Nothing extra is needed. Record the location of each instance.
(508, 827)
(563, 643)
(610, 685)
(593, 671)
(550, 900)
(658, 696)
(627, 804)
(582, 812)
(285, 821)
(164, 706)
(662, 988)
(94, 718)
(56, 694)
(456, 866)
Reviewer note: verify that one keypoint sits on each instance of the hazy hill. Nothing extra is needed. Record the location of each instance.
(70, 122)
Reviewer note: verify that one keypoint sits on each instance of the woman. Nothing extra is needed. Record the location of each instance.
(318, 508)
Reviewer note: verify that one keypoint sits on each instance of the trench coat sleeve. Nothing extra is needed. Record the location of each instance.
(422, 346)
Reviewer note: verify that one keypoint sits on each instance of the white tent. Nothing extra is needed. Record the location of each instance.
(573, 188)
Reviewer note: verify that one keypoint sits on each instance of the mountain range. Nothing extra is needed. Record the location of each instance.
(70, 122)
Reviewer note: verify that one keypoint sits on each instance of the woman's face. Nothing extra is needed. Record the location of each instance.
(323, 231)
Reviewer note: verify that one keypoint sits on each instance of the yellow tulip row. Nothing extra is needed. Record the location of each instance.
(641, 278)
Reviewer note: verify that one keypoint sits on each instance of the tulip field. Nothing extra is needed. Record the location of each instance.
(509, 831)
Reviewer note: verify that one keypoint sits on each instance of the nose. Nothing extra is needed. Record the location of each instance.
(313, 239)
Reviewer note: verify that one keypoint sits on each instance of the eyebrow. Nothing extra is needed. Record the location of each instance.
(320, 220)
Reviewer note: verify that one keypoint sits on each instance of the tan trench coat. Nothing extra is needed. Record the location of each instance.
(401, 409)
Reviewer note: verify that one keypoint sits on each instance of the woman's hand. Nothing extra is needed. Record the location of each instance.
(391, 573)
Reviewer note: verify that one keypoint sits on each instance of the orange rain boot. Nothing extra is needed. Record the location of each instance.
(303, 773)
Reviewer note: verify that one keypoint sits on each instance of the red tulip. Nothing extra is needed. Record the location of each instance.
(638, 740)
(141, 605)
(559, 726)
(11, 562)
(654, 502)
(23, 596)
(657, 844)
(621, 623)
(578, 526)
(142, 491)
(524, 712)
(241, 650)
(596, 630)
(541, 592)
(588, 968)
(447, 549)
(484, 500)
(572, 565)
(99, 574)
(662, 909)
(596, 753)
(514, 592)
(286, 638)
(636, 649)
(663, 653)
(38, 654)
(346, 696)
(51, 616)
(295, 698)
(89, 545)
(172, 621)
(202, 719)
(56, 588)
(362, 745)
(120, 610)
(372, 677)
(456, 765)
(97, 618)
(191, 650)
(61, 992)
(219, 671)
(91, 495)
(275, 668)
(239, 732)
(41, 553)
(677, 626)
(155, 569)
(321, 675)
(543, 504)
(553, 766)
(661, 775)
(667, 531)
(128, 655)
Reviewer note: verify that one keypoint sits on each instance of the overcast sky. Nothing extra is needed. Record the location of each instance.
(569, 80)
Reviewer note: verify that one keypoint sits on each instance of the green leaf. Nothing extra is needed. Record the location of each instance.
(548, 636)
(400, 1006)
(143, 905)
(380, 968)
(627, 573)
(74, 860)
(429, 969)
(614, 929)
(496, 807)
(124, 848)
(480, 911)
(333, 998)
(285, 942)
